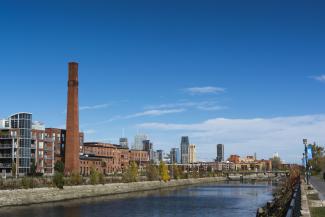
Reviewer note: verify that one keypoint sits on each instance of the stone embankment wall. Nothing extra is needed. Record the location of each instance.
(44, 195)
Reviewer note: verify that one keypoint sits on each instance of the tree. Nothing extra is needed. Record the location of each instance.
(163, 172)
(176, 172)
(317, 163)
(94, 176)
(13, 169)
(152, 172)
(276, 163)
(58, 180)
(33, 168)
(131, 174)
(59, 167)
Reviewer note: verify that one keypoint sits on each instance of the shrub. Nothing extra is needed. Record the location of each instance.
(27, 182)
(94, 176)
(101, 178)
(59, 167)
(75, 179)
(152, 173)
(163, 172)
(131, 174)
(58, 180)
(176, 172)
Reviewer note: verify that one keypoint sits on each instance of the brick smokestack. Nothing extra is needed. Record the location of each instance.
(72, 145)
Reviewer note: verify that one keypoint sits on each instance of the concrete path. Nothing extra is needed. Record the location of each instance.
(319, 184)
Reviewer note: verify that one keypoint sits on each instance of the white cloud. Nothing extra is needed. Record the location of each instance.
(204, 90)
(89, 131)
(246, 136)
(319, 78)
(154, 112)
(202, 105)
(99, 106)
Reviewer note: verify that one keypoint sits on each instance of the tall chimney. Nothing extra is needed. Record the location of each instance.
(72, 145)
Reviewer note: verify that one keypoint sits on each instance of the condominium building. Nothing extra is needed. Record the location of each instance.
(220, 153)
(192, 154)
(184, 150)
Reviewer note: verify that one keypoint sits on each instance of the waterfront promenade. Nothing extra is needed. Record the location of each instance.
(319, 185)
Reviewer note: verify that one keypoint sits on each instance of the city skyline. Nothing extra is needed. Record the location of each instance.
(177, 75)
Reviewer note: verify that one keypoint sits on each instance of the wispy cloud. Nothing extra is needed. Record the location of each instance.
(202, 105)
(89, 131)
(204, 90)
(154, 112)
(319, 78)
(246, 136)
(99, 106)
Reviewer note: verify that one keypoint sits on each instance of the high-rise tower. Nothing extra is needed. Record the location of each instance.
(184, 149)
(72, 147)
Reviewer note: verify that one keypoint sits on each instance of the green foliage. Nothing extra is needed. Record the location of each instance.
(276, 163)
(131, 174)
(195, 173)
(101, 178)
(317, 163)
(58, 180)
(94, 176)
(32, 170)
(76, 179)
(152, 172)
(13, 169)
(27, 182)
(59, 167)
(163, 172)
(176, 172)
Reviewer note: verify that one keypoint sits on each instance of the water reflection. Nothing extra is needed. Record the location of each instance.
(233, 199)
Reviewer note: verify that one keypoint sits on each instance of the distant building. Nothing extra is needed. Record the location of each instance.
(192, 154)
(184, 149)
(220, 153)
(124, 142)
(175, 156)
(160, 154)
(138, 142)
(234, 159)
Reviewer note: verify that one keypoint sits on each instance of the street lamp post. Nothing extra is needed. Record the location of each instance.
(306, 158)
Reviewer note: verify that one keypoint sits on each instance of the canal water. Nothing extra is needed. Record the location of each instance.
(218, 200)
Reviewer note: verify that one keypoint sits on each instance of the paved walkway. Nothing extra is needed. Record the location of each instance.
(319, 184)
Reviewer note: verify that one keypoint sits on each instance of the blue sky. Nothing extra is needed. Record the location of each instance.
(244, 73)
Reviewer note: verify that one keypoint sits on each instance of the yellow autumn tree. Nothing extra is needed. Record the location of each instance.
(163, 172)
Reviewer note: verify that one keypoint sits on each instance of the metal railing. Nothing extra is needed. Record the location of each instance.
(295, 204)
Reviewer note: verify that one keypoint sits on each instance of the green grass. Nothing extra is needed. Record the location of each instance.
(317, 212)
(313, 197)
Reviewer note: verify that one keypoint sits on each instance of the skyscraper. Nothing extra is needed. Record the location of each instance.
(124, 142)
(138, 141)
(184, 149)
(174, 156)
(72, 148)
(220, 153)
(192, 154)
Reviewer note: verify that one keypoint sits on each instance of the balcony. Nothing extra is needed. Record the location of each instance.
(6, 146)
(33, 146)
(5, 165)
(5, 137)
(5, 155)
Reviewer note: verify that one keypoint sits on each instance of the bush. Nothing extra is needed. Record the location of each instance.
(131, 174)
(59, 167)
(176, 172)
(58, 180)
(94, 176)
(152, 173)
(27, 182)
(75, 179)
(163, 172)
(101, 178)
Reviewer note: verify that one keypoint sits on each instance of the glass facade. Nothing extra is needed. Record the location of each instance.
(23, 122)
(184, 149)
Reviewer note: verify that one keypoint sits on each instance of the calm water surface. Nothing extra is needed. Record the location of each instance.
(222, 200)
